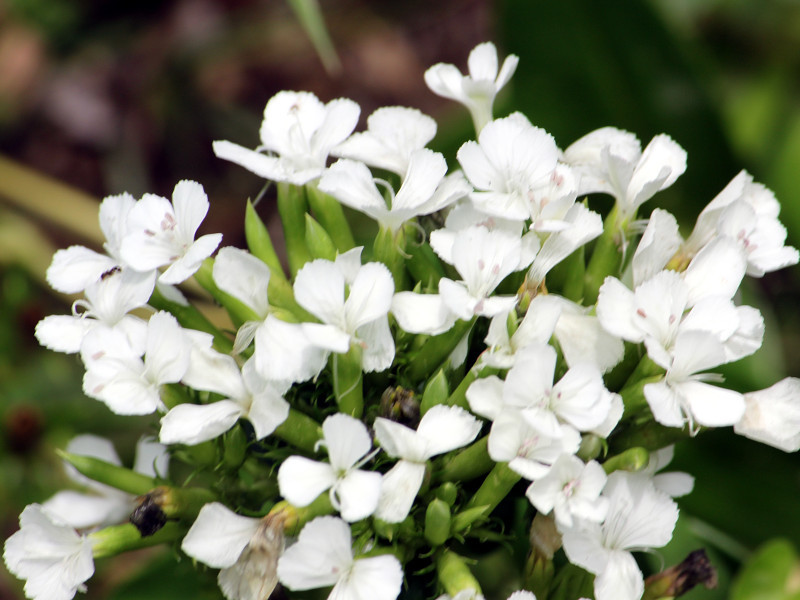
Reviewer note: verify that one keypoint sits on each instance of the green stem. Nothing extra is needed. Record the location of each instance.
(429, 358)
(299, 430)
(124, 538)
(469, 463)
(292, 209)
(498, 483)
(117, 477)
(330, 214)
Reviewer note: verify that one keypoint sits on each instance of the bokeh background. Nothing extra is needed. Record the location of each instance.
(99, 97)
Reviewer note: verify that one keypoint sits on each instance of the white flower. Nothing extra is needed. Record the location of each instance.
(107, 304)
(483, 258)
(323, 556)
(52, 558)
(105, 505)
(393, 134)
(509, 161)
(247, 395)
(245, 549)
(354, 493)
(477, 90)
(772, 416)
(353, 306)
(571, 489)
(639, 517)
(424, 189)
(128, 384)
(611, 161)
(299, 132)
(441, 429)
(683, 396)
(162, 233)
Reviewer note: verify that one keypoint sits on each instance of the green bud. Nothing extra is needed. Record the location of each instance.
(448, 492)
(454, 574)
(111, 541)
(385, 530)
(260, 243)
(348, 381)
(299, 430)
(113, 475)
(295, 517)
(330, 214)
(436, 392)
(437, 522)
(423, 264)
(591, 447)
(606, 257)
(632, 460)
(235, 447)
(292, 207)
(318, 241)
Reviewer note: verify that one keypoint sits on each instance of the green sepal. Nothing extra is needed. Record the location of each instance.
(295, 517)
(260, 243)
(235, 447)
(115, 476)
(466, 464)
(437, 522)
(318, 242)
(328, 211)
(606, 258)
(498, 483)
(292, 207)
(631, 460)
(466, 518)
(436, 392)
(633, 398)
(389, 248)
(348, 380)
(299, 430)
(454, 574)
(571, 582)
(117, 539)
(435, 350)
(423, 264)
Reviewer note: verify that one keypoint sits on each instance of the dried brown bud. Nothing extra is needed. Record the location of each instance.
(696, 569)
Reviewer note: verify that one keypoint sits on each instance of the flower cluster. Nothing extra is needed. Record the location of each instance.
(375, 406)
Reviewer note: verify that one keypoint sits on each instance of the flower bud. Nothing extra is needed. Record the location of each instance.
(437, 522)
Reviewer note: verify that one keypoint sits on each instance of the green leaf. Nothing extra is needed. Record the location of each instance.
(772, 574)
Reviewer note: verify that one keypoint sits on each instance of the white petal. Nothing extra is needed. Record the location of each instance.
(772, 416)
(620, 580)
(76, 267)
(195, 423)
(357, 494)
(301, 480)
(319, 288)
(218, 536)
(377, 578)
(400, 441)
(63, 333)
(262, 165)
(422, 313)
(370, 295)
(446, 428)
(398, 490)
(485, 397)
(347, 440)
(321, 556)
(244, 277)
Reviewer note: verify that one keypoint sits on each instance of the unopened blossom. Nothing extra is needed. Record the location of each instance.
(639, 517)
(441, 429)
(477, 90)
(246, 550)
(611, 161)
(52, 558)
(297, 135)
(354, 492)
(510, 159)
(129, 384)
(246, 395)
(772, 416)
(424, 189)
(393, 135)
(103, 505)
(571, 489)
(162, 233)
(323, 557)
